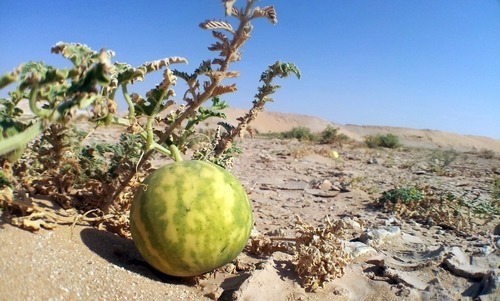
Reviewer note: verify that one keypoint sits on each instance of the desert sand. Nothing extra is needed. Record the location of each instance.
(393, 258)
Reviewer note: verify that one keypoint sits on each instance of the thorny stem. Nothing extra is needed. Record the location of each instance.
(149, 133)
(131, 109)
(261, 98)
(239, 38)
(198, 100)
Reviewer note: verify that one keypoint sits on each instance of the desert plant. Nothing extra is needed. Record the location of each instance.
(440, 160)
(387, 141)
(404, 195)
(431, 207)
(486, 154)
(320, 253)
(331, 135)
(300, 133)
(99, 179)
(495, 192)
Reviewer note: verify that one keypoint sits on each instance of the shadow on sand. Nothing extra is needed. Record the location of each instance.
(123, 253)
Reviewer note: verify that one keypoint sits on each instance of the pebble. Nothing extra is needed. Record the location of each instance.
(376, 237)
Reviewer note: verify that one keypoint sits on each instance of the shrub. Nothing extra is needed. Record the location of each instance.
(300, 133)
(486, 154)
(387, 141)
(403, 194)
(331, 135)
(440, 160)
(442, 208)
(495, 194)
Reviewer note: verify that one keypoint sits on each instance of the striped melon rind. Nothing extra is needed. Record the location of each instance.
(190, 217)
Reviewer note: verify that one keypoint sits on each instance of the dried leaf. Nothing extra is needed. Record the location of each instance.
(232, 74)
(216, 75)
(224, 89)
(217, 61)
(168, 79)
(235, 12)
(157, 65)
(6, 195)
(217, 47)
(37, 225)
(235, 57)
(268, 12)
(222, 46)
(214, 24)
(320, 256)
(228, 5)
(222, 37)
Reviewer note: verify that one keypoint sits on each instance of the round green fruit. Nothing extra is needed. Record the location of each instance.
(190, 217)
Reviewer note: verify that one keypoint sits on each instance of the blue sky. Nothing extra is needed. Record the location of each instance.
(427, 64)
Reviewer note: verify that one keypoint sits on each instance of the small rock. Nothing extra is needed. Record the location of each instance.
(392, 221)
(337, 186)
(215, 295)
(459, 264)
(497, 230)
(486, 250)
(326, 185)
(436, 291)
(349, 223)
(490, 287)
(357, 248)
(375, 237)
(372, 160)
(441, 232)
(407, 278)
(345, 187)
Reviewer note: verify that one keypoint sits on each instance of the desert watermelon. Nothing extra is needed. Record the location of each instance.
(190, 217)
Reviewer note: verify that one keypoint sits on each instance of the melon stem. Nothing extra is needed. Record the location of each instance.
(176, 154)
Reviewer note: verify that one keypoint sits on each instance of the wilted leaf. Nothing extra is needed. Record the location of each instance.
(224, 89)
(157, 65)
(228, 5)
(268, 12)
(214, 24)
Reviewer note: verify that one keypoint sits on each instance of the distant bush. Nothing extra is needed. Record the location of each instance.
(300, 133)
(331, 135)
(440, 160)
(388, 141)
(495, 194)
(486, 154)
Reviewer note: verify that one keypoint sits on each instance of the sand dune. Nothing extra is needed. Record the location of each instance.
(278, 122)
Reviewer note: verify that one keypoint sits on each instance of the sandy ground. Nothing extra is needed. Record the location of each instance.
(406, 261)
